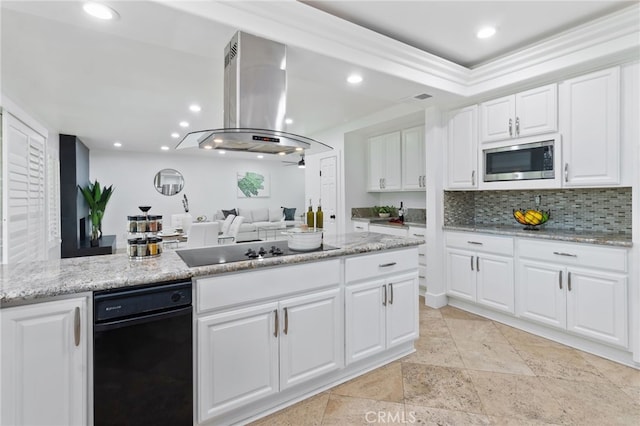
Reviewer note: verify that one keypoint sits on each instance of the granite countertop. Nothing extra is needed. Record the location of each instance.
(548, 234)
(25, 282)
(385, 222)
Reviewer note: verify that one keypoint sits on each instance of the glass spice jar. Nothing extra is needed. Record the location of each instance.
(132, 247)
(141, 223)
(152, 246)
(159, 220)
(132, 223)
(152, 224)
(141, 244)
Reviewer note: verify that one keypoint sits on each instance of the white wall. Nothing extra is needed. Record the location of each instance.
(210, 185)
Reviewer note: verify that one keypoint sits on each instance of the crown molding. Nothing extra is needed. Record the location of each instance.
(612, 39)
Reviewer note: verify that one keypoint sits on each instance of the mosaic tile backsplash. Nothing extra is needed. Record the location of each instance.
(601, 210)
(411, 215)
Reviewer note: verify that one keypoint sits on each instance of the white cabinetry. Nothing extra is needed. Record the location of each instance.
(590, 126)
(462, 149)
(396, 230)
(523, 114)
(580, 288)
(381, 302)
(413, 159)
(419, 232)
(44, 363)
(247, 352)
(384, 172)
(480, 269)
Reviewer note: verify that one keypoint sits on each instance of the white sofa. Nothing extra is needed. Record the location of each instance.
(272, 218)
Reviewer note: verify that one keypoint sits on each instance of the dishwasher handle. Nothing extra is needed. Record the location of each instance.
(143, 319)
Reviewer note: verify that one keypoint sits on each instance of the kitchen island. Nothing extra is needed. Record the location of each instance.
(266, 332)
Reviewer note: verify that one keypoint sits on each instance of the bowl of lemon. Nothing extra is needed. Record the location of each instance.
(531, 218)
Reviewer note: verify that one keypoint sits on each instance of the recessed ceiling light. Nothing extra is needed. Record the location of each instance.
(184, 124)
(100, 11)
(288, 121)
(195, 108)
(222, 152)
(117, 144)
(164, 148)
(354, 79)
(261, 156)
(218, 140)
(175, 135)
(208, 147)
(486, 32)
(298, 149)
(282, 153)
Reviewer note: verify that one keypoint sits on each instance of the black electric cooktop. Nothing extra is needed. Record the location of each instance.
(242, 251)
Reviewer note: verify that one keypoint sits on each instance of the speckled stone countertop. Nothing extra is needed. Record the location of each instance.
(25, 282)
(385, 222)
(548, 234)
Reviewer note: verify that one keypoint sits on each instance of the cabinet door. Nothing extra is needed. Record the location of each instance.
(392, 163)
(311, 336)
(376, 152)
(44, 363)
(364, 320)
(540, 294)
(402, 309)
(462, 149)
(360, 226)
(497, 119)
(413, 159)
(495, 282)
(537, 111)
(596, 305)
(237, 358)
(590, 125)
(461, 275)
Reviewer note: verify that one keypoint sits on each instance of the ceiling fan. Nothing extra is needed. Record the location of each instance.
(301, 164)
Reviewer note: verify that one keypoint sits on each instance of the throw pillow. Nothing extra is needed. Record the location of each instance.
(289, 213)
(275, 214)
(228, 212)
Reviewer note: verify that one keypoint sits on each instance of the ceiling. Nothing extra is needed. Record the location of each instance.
(133, 79)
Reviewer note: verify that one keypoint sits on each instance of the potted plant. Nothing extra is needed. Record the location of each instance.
(384, 211)
(97, 199)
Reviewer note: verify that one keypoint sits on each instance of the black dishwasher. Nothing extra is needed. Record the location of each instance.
(143, 355)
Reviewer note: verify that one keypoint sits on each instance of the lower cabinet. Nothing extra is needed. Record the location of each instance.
(479, 269)
(44, 363)
(569, 291)
(249, 353)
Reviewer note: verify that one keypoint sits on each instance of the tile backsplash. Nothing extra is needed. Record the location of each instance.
(600, 210)
(411, 215)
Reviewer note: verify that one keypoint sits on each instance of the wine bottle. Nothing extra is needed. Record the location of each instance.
(401, 213)
(310, 215)
(319, 215)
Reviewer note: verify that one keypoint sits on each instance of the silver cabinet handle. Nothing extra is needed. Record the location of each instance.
(286, 321)
(560, 253)
(475, 242)
(569, 281)
(473, 177)
(391, 290)
(359, 227)
(510, 127)
(76, 326)
(384, 289)
(275, 331)
(566, 172)
(380, 183)
(517, 126)
(471, 262)
(418, 235)
(386, 265)
(560, 280)
(478, 263)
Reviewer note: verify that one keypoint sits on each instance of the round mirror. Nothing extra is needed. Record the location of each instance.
(168, 182)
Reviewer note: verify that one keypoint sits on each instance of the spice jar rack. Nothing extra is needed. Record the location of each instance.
(143, 241)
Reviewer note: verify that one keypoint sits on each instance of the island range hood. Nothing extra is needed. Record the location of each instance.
(255, 102)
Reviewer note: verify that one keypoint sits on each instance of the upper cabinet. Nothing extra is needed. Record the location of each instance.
(397, 161)
(413, 159)
(384, 163)
(590, 126)
(523, 114)
(462, 149)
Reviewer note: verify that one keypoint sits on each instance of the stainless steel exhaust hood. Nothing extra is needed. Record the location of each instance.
(255, 102)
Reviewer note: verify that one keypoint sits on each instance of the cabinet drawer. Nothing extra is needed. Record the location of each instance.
(571, 254)
(417, 232)
(360, 226)
(398, 232)
(386, 262)
(232, 289)
(480, 242)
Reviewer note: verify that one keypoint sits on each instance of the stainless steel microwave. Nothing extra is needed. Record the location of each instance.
(525, 161)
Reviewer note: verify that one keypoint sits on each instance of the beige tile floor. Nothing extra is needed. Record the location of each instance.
(468, 370)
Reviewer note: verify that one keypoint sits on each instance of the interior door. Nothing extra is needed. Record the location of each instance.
(329, 193)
